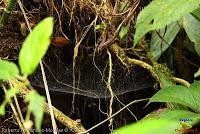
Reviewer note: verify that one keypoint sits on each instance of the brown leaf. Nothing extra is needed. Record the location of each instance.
(60, 41)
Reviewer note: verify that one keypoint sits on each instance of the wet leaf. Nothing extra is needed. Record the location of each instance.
(2, 109)
(183, 116)
(10, 93)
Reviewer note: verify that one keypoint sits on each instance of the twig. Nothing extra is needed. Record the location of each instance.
(48, 99)
(15, 113)
(135, 101)
(18, 108)
(127, 108)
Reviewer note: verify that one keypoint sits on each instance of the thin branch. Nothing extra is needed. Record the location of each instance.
(21, 125)
(97, 125)
(18, 107)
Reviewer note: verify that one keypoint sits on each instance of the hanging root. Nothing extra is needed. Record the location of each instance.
(181, 81)
(109, 87)
(75, 56)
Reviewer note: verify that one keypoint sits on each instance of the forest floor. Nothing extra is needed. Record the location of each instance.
(78, 62)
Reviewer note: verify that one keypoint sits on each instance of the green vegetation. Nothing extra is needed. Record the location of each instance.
(32, 51)
(162, 20)
(173, 15)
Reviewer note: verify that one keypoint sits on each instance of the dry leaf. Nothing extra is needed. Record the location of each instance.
(60, 41)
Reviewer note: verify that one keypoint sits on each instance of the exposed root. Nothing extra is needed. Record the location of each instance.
(113, 37)
(72, 11)
(109, 87)
(76, 51)
(181, 81)
(124, 59)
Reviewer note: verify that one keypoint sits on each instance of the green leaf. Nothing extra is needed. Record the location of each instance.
(160, 13)
(196, 14)
(179, 94)
(35, 46)
(2, 109)
(192, 28)
(189, 46)
(123, 32)
(183, 116)
(100, 26)
(8, 70)
(10, 93)
(150, 127)
(36, 106)
(197, 74)
(162, 39)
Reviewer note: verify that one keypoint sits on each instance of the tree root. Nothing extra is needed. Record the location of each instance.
(110, 88)
(125, 60)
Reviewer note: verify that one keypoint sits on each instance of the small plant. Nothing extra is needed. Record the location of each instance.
(32, 51)
(184, 112)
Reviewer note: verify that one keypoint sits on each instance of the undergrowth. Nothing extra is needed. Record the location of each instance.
(131, 32)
